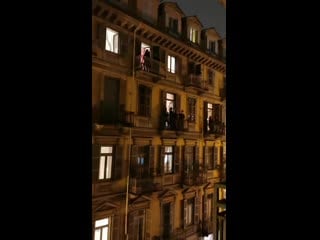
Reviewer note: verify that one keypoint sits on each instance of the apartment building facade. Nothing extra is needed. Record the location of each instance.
(158, 135)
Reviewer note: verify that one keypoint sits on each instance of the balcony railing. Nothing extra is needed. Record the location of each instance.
(196, 81)
(215, 127)
(141, 185)
(195, 175)
(148, 64)
(173, 121)
(127, 118)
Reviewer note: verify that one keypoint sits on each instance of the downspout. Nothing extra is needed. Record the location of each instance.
(130, 135)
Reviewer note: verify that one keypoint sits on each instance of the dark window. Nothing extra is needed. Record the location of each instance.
(144, 101)
(173, 25)
(211, 77)
(191, 109)
(166, 220)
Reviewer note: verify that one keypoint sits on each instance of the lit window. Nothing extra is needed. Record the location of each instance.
(168, 159)
(105, 163)
(102, 229)
(171, 64)
(190, 212)
(193, 35)
(112, 41)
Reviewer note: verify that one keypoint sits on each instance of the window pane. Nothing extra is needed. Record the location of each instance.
(105, 233)
(168, 149)
(109, 167)
(101, 167)
(173, 64)
(102, 222)
(116, 43)
(168, 63)
(106, 150)
(97, 233)
(170, 96)
(209, 105)
(112, 40)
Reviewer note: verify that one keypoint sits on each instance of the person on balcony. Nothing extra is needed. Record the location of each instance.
(147, 63)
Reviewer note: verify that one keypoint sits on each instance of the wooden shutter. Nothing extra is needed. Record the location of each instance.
(196, 155)
(191, 68)
(95, 162)
(161, 160)
(156, 52)
(184, 211)
(215, 157)
(163, 56)
(176, 159)
(101, 35)
(116, 227)
(205, 116)
(205, 206)
(163, 110)
(124, 44)
(206, 157)
(131, 226)
(197, 202)
(221, 156)
(198, 69)
(133, 161)
(151, 160)
(138, 47)
(117, 162)
(171, 218)
(178, 103)
(148, 224)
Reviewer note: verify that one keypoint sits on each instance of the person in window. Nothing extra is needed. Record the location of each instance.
(147, 63)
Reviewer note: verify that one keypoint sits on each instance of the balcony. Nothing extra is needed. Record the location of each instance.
(149, 66)
(196, 82)
(195, 175)
(127, 118)
(142, 185)
(214, 127)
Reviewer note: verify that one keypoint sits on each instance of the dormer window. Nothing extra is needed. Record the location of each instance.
(173, 25)
(193, 35)
(212, 46)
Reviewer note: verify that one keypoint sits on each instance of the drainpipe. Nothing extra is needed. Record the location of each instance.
(130, 136)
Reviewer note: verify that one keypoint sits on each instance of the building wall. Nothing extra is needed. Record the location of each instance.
(110, 197)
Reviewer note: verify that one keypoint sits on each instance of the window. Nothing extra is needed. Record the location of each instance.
(210, 207)
(190, 211)
(140, 161)
(102, 229)
(145, 56)
(105, 162)
(166, 211)
(212, 46)
(192, 109)
(170, 99)
(209, 116)
(144, 101)
(112, 40)
(193, 35)
(168, 159)
(209, 157)
(173, 25)
(211, 77)
(140, 228)
(171, 64)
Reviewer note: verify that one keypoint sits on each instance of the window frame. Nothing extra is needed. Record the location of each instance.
(100, 228)
(171, 65)
(113, 44)
(105, 165)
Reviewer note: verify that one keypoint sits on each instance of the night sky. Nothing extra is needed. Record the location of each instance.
(209, 12)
